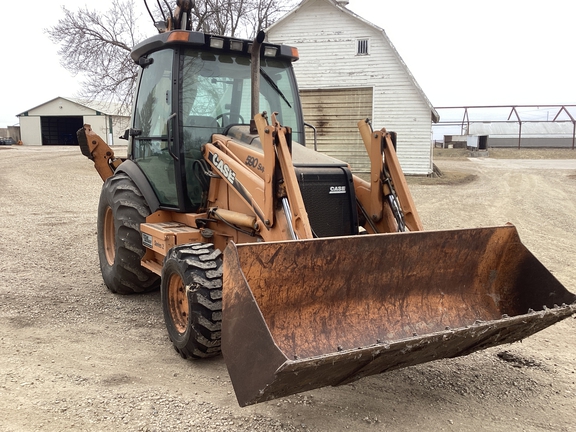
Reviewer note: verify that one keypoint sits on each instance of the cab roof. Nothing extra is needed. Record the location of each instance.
(209, 42)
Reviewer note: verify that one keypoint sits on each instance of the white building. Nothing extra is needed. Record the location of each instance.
(55, 122)
(349, 70)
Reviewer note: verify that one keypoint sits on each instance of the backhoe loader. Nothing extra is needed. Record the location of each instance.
(300, 273)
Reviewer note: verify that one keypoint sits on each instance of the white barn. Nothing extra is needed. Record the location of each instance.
(349, 70)
(55, 122)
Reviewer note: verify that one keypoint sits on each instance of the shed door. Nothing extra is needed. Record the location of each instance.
(60, 130)
(335, 114)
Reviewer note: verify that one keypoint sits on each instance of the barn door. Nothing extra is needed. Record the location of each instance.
(335, 113)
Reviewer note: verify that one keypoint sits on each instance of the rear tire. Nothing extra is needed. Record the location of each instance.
(191, 293)
(121, 210)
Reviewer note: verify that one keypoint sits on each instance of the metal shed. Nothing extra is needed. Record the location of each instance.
(55, 122)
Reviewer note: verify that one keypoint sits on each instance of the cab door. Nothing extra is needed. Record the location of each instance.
(154, 119)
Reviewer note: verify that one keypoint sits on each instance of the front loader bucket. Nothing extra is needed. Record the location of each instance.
(299, 315)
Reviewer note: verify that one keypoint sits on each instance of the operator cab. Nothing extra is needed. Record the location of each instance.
(191, 86)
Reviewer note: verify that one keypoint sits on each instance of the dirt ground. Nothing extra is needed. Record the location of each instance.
(75, 357)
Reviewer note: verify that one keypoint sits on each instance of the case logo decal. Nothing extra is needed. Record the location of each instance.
(337, 190)
(224, 169)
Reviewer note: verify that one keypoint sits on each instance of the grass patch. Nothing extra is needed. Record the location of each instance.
(449, 178)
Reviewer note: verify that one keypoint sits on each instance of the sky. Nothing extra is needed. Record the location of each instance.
(471, 52)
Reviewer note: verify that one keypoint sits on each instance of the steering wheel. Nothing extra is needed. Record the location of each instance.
(226, 118)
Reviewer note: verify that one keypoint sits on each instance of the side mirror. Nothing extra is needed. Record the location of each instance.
(131, 133)
(144, 61)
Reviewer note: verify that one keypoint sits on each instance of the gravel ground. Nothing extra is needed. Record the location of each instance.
(75, 357)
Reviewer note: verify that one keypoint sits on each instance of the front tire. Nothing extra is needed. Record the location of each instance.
(121, 210)
(191, 293)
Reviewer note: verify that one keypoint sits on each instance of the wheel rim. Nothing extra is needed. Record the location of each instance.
(109, 237)
(178, 303)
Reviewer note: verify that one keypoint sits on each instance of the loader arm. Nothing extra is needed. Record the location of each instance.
(387, 184)
(274, 139)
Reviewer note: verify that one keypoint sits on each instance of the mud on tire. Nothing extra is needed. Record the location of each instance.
(191, 292)
(121, 210)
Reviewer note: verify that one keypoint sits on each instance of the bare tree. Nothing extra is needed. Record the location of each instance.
(238, 18)
(265, 13)
(97, 45)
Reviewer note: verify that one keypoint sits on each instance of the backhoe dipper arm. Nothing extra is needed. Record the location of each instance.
(95, 149)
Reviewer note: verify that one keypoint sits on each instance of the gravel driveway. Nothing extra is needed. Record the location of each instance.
(75, 357)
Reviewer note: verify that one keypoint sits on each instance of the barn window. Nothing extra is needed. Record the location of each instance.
(362, 45)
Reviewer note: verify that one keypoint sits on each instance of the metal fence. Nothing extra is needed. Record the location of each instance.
(511, 125)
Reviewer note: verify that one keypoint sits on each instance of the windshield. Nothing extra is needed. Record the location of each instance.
(216, 93)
